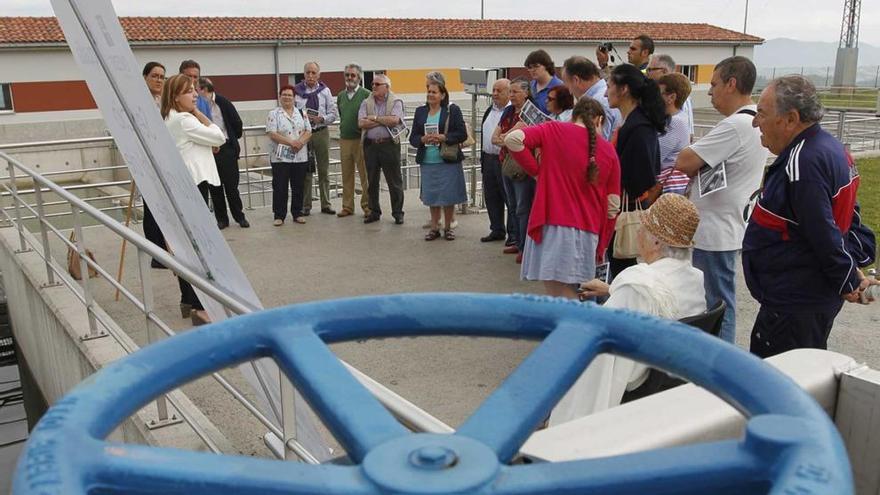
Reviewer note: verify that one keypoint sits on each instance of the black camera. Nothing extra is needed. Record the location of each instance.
(606, 46)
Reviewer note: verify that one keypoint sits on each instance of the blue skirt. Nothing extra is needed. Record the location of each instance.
(442, 184)
(566, 255)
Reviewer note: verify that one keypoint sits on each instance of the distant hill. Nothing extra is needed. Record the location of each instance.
(784, 52)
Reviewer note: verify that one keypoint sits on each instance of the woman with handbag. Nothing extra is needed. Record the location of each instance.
(578, 192)
(195, 136)
(289, 133)
(644, 117)
(518, 185)
(437, 133)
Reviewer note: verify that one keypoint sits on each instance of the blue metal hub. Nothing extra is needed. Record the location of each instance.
(790, 444)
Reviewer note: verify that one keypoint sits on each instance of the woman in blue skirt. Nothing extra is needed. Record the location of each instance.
(442, 185)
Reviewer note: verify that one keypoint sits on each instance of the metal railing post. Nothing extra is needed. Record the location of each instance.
(841, 124)
(143, 259)
(247, 171)
(23, 248)
(44, 235)
(288, 415)
(84, 276)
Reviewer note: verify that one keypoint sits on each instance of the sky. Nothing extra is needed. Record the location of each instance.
(808, 20)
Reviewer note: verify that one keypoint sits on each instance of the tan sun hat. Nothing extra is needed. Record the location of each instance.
(673, 219)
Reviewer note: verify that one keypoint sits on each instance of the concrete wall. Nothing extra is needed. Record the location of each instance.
(48, 323)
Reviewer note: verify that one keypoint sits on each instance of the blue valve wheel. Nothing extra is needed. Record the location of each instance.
(790, 444)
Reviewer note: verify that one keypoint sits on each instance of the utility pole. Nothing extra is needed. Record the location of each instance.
(746, 19)
(848, 48)
(482, 9)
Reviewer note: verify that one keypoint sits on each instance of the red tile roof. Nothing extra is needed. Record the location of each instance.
(143, 30)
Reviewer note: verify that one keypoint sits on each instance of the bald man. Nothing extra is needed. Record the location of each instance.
(490, 166)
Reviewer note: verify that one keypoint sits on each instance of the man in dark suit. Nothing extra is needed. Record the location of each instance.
(223, 114)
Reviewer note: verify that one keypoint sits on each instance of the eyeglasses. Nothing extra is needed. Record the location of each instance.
(351, 76)
(379, 84)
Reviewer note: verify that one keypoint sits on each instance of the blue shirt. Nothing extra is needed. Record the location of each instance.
(612, 115)
(204, 106)
(540, 97)
(432, 151)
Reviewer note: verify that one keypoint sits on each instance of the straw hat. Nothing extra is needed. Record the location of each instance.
(673, 219)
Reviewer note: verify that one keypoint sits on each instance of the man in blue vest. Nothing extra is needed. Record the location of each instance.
(804, 242)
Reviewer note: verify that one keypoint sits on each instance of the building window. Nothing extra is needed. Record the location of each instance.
(5, 97)
(690, 71)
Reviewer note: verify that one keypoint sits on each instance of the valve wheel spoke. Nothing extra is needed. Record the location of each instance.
(511, 413)
(355, 417)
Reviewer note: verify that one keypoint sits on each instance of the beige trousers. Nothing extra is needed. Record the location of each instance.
(351, 154)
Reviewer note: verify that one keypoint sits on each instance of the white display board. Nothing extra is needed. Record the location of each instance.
(114, 78)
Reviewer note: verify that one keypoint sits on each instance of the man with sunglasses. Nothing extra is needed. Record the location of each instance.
(379, 113)
(351, 156)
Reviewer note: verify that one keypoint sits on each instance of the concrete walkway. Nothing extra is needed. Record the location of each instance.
(331, 257)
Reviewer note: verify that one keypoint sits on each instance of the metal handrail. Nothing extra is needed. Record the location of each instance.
(409, 414)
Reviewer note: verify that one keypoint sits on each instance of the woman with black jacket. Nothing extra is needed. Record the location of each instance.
(442, 180)
(644, 118)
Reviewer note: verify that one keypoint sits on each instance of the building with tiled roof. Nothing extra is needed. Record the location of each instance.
(249, 57)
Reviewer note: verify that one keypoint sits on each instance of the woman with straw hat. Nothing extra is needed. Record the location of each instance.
(664, 283)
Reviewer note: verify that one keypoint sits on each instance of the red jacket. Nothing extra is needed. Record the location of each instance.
(563, 196)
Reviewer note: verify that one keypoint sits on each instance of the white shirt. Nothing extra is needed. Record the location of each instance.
(194, 141)
(688, 109)
(668, 288)
(489, 126)
(292, 126)
(676, 138)
(737, 144)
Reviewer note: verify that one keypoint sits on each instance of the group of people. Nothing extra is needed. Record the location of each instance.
(622, 181)
(574, 187)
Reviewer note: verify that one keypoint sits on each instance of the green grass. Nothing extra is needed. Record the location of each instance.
(869, 192)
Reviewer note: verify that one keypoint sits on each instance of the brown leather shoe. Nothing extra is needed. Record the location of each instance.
(343, 213)
(511, 250)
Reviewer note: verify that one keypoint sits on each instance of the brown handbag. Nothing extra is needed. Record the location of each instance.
(73, 265)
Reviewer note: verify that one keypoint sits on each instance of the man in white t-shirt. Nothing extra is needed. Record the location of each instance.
(735, 146)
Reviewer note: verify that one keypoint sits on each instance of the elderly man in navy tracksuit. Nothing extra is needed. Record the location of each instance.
(804, 243)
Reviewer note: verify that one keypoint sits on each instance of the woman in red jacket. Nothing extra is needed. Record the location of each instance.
(577, 196)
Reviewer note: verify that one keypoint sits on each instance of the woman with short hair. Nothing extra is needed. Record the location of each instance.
(442, 179)
(289, 132)
(520, 189)
(675, 89)
(560, 103)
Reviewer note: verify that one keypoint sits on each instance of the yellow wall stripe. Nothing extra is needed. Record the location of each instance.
(413, 80)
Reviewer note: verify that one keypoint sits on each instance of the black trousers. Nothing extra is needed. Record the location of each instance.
(288, 176)
(385, 158)
(187, 294)
(495, 196)
(151, 229)
(776, 331)
(227, 192)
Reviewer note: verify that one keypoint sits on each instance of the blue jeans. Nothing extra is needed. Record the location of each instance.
(521, 193)
(719, 280)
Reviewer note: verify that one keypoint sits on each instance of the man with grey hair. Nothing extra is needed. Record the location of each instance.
(351, 156)
(730, 152)
(379, 114)
(800, 255)
(660, 65)
(314, 98)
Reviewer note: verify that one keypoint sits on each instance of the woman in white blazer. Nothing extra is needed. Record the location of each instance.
(196, 137)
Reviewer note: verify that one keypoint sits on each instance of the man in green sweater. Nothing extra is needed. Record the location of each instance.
(348, 101)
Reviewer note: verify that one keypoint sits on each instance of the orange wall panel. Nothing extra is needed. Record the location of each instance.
(51, 96)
